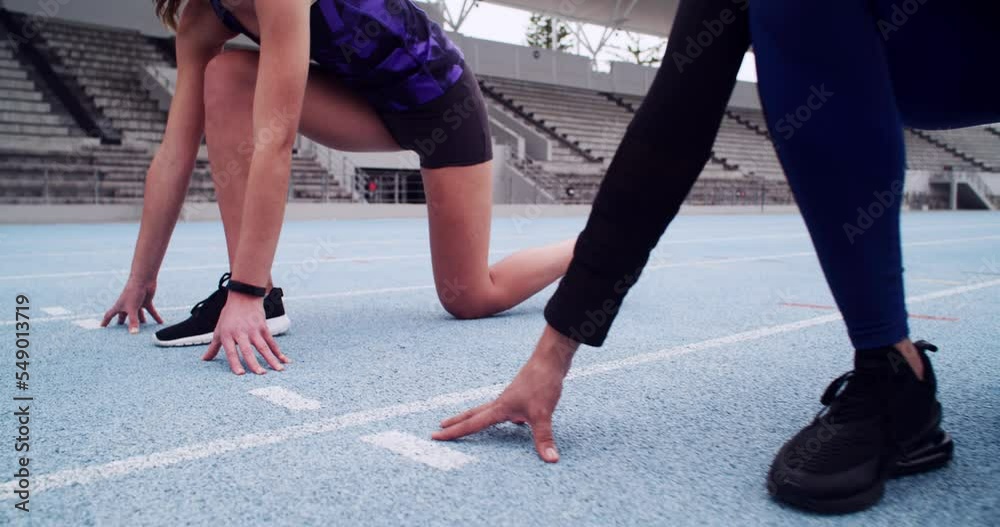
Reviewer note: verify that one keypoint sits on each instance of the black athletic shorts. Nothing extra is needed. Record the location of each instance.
(450, 131)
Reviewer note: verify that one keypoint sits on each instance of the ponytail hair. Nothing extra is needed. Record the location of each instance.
(167, 10)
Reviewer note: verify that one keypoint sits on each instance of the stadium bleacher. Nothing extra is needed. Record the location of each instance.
(583, 127)
(979, 143)
(585, 117)
(24, 108)
(105, 62)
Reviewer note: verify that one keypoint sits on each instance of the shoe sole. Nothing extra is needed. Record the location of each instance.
(276, 325)
(935, 454)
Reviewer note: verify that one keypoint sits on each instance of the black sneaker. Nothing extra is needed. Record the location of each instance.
(880, 421)
(200, 326)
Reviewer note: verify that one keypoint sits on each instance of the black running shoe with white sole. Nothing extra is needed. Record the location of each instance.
(200, 326)
(881, 421)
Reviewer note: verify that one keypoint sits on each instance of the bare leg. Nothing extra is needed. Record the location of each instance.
(459, 203)
(909, 352)
(229, 134)
(459, 199)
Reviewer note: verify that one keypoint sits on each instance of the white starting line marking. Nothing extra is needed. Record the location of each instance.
(937, 281)
(430, 453)
(355, 259)
(653, 266)
(94, 473)
(88, 323)
(286, 398)
(56, 311)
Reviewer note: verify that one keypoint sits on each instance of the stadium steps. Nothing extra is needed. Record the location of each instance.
(496, 93)
(25, 110)
(598, 129)
(621, 102)
(744, 117)
(950, 149)
(632, 103)
(976, 145)
(922, 154)
(105, 63)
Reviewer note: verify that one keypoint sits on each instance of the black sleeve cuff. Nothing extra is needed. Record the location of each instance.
(584, 306)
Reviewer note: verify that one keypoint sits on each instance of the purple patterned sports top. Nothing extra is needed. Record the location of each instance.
(389, 51)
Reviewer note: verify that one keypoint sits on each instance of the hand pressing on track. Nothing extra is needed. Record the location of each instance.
(241, 330)
(531, 397)
(136, 298)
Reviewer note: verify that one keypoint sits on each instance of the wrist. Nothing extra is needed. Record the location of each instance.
(141, 278)
(555, 350)
(237, 297)
(235, 285)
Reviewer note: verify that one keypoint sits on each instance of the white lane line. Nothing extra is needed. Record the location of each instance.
(430, 453)
(714, 261)
(652, 267)
(221, 246)
(221, 267)
(88, 323)
(952, 240)
(349, 259)
(56, 311)
(219, 242)
(293, 298)
(738, 259)
(937, 281)
(286, 398)
(95, 473)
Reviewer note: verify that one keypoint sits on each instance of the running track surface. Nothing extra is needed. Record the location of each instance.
(719, 355)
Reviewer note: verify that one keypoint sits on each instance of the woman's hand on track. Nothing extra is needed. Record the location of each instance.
(531, 398)
(135, 298)
(241, 330)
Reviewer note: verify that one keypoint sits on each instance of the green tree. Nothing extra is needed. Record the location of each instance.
(643, 50)
(547, 32)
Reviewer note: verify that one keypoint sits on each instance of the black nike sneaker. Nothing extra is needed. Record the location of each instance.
(880, 421)
(200, 326)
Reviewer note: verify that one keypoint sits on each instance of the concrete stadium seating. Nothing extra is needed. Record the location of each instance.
(25, 110)
(116, 174)
(584, 127)
(585, 117)
(921, 154)
(106, 63)
(980, 142)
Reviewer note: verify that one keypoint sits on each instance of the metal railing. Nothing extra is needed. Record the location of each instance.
(54, 186)
(338, 168)
(390, 186)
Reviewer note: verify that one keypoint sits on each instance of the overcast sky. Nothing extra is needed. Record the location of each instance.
(492, 22)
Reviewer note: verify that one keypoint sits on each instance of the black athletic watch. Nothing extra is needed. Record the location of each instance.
(247, 289)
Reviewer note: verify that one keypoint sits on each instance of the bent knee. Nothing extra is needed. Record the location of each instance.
(468, 305)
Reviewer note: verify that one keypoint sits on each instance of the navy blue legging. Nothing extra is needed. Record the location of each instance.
(838, 80)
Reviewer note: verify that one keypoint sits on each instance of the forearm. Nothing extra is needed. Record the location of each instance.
(263, 213)
(165, 189)
(663, 152)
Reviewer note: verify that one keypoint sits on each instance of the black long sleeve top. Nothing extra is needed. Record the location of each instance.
(664, 150)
